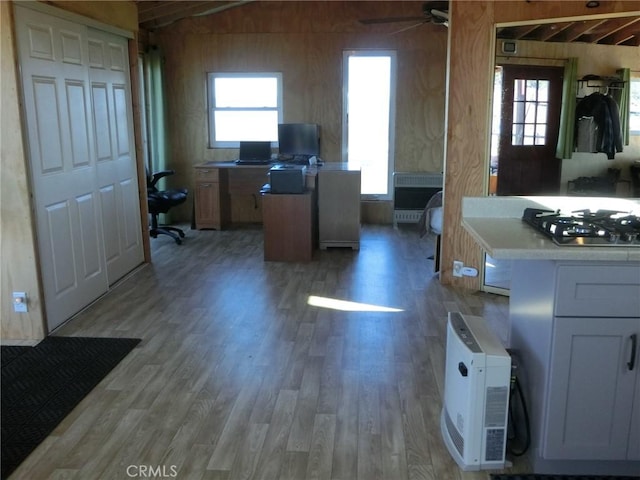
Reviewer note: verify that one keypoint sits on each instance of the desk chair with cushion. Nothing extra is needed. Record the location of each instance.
(161, 201)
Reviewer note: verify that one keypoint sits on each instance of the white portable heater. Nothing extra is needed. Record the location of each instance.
(476, 394)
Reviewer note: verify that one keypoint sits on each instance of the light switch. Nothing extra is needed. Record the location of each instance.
(19, 302)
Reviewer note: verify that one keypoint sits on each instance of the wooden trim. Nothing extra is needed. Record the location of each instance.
(75, 17)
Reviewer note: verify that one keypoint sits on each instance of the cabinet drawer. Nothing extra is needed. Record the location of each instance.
(598, 290)
(247, 181)
(207, 174)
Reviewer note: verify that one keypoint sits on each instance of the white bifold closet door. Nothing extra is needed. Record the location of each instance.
(80, 143)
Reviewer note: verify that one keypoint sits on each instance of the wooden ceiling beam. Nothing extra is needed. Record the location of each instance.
(610, 26)
(547, 31)
(624, 34)
(171, 9)
(516, 33)
(166, 12)
(577, 29)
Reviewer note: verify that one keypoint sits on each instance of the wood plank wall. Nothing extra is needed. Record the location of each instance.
(305, 41)
(120, 13)
(470, 72)
(17, 243)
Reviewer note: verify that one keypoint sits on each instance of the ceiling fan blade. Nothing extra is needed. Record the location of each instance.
(409, 27)
(370, 21)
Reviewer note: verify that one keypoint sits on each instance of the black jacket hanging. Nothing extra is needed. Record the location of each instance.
(606, 120)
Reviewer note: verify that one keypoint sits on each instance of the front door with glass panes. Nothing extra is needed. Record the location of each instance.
(529, 125)
(524, 134)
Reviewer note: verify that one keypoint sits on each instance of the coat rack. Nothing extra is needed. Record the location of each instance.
(597, 83)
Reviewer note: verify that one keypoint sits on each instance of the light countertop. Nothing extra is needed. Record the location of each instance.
(495, 223)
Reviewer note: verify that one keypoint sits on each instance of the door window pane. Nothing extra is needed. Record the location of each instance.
(530, 112)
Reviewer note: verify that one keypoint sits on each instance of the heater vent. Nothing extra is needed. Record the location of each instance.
(417, 180)
(456, 438)
(406, 216)
(411, 192)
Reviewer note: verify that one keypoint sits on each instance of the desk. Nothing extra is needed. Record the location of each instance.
(289, 226)
(224, 188)
(217, 183)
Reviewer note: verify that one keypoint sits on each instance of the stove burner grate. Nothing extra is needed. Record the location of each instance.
(586, 228)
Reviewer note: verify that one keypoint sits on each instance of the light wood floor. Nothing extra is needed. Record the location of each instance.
(238, 377)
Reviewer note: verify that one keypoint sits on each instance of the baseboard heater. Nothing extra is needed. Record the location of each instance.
(411, 192)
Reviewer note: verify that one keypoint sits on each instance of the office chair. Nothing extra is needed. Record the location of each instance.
(161, 201)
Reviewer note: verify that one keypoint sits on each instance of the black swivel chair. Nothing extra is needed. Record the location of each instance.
(161, 201)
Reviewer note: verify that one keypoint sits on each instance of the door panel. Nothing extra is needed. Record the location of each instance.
(55, 85)
(101, 124)
(60, 234)
(531, 100)
(80, 136)
(47, 124)
(590, 389)
(117, 174)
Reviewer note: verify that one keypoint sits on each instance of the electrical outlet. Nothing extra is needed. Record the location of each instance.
(457, 268)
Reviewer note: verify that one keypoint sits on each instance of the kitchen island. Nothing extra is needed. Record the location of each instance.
(574, 316)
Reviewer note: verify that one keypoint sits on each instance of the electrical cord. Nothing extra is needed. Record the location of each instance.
(512, 422)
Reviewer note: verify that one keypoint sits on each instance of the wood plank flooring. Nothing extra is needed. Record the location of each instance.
(239, 377)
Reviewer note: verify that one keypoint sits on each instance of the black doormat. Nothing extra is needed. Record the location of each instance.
(495, 476)
(40, 385)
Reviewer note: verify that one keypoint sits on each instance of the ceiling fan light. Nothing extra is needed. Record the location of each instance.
(593, 4)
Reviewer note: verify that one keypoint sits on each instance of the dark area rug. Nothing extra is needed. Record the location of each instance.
(558, 477)
(40, 385)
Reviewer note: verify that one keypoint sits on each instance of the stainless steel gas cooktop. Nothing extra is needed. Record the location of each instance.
(602, 228)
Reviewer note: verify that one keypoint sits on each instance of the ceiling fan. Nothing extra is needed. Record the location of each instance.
(432, 12)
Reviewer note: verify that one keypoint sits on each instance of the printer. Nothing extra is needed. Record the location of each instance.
(287, 178)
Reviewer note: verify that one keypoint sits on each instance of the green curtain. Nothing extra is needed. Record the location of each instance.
(623, 97)
(156, 115)
(565, 146)
(156, 119)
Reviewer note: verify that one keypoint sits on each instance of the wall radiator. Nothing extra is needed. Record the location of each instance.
(411, 192)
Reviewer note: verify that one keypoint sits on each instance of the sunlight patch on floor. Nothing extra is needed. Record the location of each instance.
(348, 306)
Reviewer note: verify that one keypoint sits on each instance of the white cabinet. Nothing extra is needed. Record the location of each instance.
(591, 388)
(575, 329)
(593, 365)
(338, 206)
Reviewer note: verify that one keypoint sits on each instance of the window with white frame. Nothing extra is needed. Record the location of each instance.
(243, 107)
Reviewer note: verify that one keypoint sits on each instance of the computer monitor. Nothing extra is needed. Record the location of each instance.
(299, 139)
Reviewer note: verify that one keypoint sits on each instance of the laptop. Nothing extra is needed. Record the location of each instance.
(254, 153)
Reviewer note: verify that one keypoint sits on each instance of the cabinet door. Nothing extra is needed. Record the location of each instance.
(633, 452)
(590, 389)
(207, 205)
